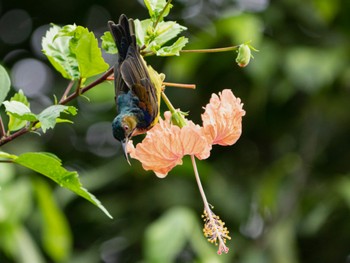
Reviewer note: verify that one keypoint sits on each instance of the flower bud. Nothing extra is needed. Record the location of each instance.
(243, 56)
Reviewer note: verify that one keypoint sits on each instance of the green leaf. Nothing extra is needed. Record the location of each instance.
(74, 52)
(56, 236)
(141, 29)
(4, 155)
(84, 45)
(164, 32)
(51, 167)
(5, 83)
(48, 117)
(14, 123)
(19, 110)
(59, 54)
(174, 49)
(108, 43)
(156, 7)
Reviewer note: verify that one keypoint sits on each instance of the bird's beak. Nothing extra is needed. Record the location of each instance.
(124, 145)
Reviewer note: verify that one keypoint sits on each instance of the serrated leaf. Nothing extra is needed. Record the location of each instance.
(174, 49)
(84, 45)
(74, 52)
(48, 117)
(20, 110)
(5, 83)
(59, 54)
(14, 123)
(51, 167)
(156, 7)
(56, 236)
(108, 43)
(164, 32)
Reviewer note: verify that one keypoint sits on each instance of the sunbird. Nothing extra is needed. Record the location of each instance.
(137, 97)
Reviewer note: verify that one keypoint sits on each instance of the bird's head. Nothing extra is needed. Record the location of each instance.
(123, 127)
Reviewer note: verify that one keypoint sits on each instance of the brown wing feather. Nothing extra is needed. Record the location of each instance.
(136, 77)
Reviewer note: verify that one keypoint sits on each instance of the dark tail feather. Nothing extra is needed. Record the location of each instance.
(123, 34)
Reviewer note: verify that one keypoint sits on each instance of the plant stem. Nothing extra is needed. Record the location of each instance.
(68, 89)
(88, 87)
(2, 128)
(161, 14)
(168, 103)
(180, 85)
(200, 187)
(210, 50)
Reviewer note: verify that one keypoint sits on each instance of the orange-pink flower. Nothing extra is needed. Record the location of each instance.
(166, 144)
(222, 118)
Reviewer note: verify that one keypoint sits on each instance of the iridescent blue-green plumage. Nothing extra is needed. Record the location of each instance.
(136, 96)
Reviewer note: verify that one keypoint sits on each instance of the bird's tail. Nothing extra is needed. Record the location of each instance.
(123, 34)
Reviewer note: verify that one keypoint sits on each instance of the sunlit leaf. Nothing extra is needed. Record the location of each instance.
(51, 167)
(59, 54)
(174, 49)
(14, 123)
(84, 46)
(19, 110)
(5, 83)
(74, 52)
(156, 7)
(56, 235)
(108, 43)
(48, 117)
(166, 31)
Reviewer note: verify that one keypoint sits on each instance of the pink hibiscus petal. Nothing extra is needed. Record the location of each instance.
(222, 118)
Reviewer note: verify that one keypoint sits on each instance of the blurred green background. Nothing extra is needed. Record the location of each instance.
(283, 189)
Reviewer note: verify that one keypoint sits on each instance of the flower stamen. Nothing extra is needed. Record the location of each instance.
(215, 231)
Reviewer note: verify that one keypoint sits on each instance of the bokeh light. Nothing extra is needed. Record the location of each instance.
(32, 76)
(15, 26)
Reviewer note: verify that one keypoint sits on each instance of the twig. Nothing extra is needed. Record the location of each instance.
(2, 128)
(68, 89)
(88, 87)
(210, 50)
(180, 85)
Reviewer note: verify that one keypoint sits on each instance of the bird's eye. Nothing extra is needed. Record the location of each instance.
(126, 127)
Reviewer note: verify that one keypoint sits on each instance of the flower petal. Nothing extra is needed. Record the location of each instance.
(161, 150)
(194, 141)
(222, 118)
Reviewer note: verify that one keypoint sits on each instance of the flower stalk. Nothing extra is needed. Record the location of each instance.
(214, 228)
(211, 50)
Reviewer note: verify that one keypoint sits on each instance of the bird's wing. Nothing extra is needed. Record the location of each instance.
(135, 74)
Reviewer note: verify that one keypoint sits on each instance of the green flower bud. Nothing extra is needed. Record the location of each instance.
(243, 56)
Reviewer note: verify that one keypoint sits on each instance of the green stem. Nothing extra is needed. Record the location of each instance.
(168, 103)
(161, 14)
(177, 117)
(210, 50)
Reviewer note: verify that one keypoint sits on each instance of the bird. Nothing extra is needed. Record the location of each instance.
(137, 97)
